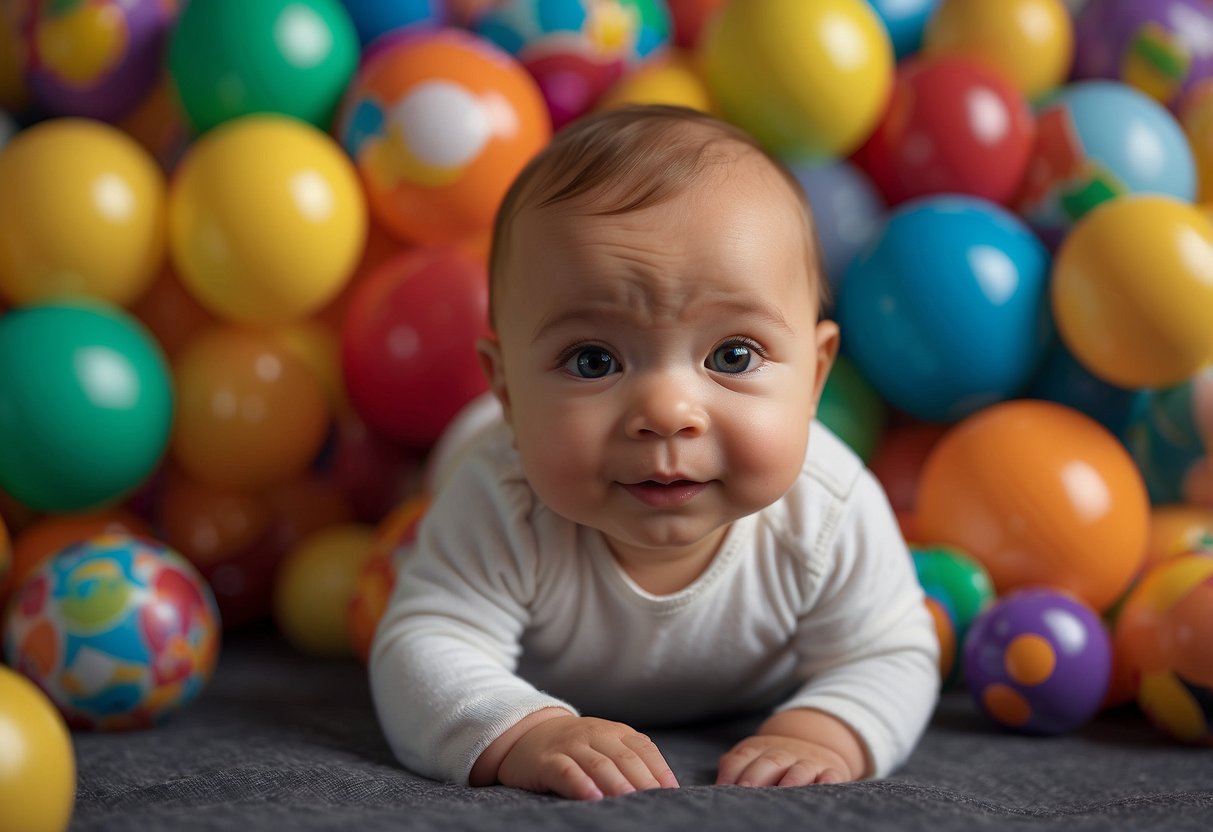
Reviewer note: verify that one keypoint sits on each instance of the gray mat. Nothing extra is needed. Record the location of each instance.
(282, 741)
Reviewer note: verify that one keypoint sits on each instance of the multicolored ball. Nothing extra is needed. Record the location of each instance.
(1038, 661)
(118, 631)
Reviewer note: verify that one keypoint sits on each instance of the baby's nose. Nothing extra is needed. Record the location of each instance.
(665, 406)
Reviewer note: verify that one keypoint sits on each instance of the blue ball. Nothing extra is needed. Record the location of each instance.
(1062, 378)
(848, 211)
(947, 311)
(373, 18)
(906, 21)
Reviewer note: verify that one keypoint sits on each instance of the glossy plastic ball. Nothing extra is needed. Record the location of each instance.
(374, 18)
(438, 126)
(953, 125)
(96, 59)
(1178, 529)
(672, 78)
(1031, 42)
(949, 306)
(119, 631)
(409, 343)
(1038, 493)
(38, 777)
(848, 212)
(1158, 46)
(86, 405)
(231, 58)
(776, 70)
(960, 586)
(1064, 379)
(81, 214)
(377, 578)
(250, 413)
(1132, 291)
(576, 49)
(1164, 637)
(1038, 662)
(945, 633)
(1165, 440)
(690, 18)
(315, 585)
(906, 21)
(1095, 141)
(898, 460)
(266, 220)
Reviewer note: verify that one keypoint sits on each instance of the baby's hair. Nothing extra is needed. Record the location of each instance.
(622, 160)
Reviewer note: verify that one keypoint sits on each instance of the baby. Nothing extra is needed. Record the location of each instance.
(648, 536)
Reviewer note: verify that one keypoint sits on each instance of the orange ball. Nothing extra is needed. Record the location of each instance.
(1176, 530)
(250, 413)
(1039, 494)
(438, 126)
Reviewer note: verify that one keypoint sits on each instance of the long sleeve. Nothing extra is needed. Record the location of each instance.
(443, 660)
(868, 646)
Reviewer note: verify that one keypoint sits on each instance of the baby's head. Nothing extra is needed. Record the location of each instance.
(657, 347)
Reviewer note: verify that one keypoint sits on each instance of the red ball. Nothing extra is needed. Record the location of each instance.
(408, 346)
(952, 126)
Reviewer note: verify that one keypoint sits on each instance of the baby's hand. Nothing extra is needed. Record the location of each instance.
(768, 760)
(585, 759)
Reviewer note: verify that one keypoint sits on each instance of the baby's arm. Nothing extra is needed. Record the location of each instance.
(578, 757)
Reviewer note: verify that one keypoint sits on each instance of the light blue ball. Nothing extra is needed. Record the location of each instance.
(947, 311)
(906, 21)
(373, 18)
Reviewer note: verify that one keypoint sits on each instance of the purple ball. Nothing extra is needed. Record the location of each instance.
(1159, 46)
(110, 54)
(1038, 661)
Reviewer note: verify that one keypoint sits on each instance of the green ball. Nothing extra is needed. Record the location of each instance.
(960, 583)
(230, 58)
(86, 405)
(852, 409)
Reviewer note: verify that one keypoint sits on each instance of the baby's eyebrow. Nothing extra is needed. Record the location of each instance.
(745, 310)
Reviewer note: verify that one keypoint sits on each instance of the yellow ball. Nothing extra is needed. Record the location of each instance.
(809, 80)
(37, 763)
(266, 219)
(1030, 41)
(1132, 291)
(672, 78)
(315, 585)
(81, 214)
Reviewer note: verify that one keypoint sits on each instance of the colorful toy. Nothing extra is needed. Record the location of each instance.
(1062, 378)
(1031, 42)
(1161, 47)
(47, 536)
(906, 21)
(81, 214)
(378, 576)
(1038, 662)
(945, 632)
(96, 58)
(689, 19)
(951, 300)
(899, 458)
(852, 409)
(439, 125)
(374, 473)
(957, 581)
(671, 78)
(848, 212)
(266, 219)
(775, 70)
(1039, 494)
(315, 585)
(1095, 141)
(38, 778)
(119, 631)
(374, 18)
(1165, 438)
(85, 405)
(1164, 635)
(437, 300)
(953, 125)
(576, 49)
(250, 413)
(293, 57)
(1128, 331)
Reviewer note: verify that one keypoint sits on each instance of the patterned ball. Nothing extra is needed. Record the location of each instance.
(576, 49)
(118, 631)
(1038, 661)
(1164, 641)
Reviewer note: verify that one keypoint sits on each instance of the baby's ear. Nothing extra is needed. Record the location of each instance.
(488, 350)
(828, 339)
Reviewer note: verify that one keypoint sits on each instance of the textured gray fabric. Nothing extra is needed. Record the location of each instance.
(282, 741)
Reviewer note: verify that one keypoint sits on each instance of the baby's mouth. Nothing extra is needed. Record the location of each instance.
(665, 494)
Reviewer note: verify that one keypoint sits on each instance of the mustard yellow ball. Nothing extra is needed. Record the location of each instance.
(37, 763)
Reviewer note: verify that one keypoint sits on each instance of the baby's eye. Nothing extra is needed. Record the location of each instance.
(592, 362)
(732, 357)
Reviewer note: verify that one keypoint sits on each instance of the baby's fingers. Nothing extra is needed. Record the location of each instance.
(565, 776)
(644, 765)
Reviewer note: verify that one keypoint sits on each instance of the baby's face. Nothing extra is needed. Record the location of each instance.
(660, 368)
